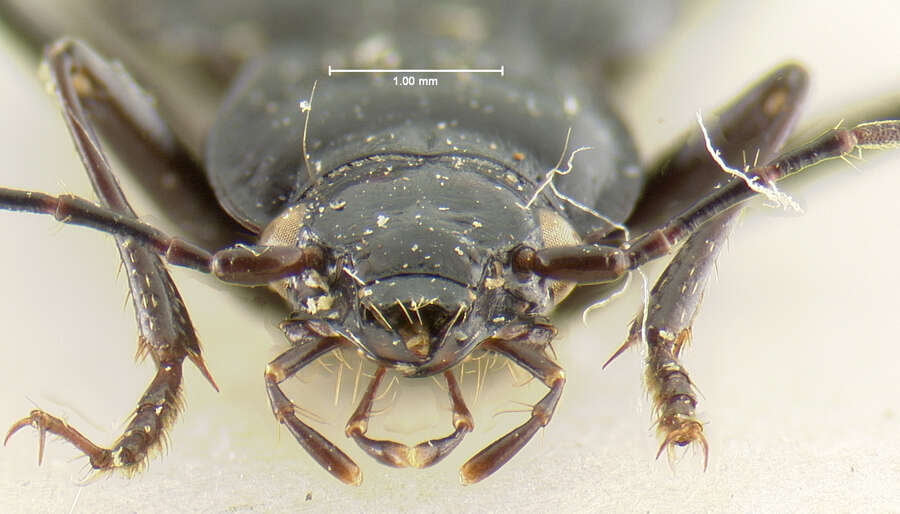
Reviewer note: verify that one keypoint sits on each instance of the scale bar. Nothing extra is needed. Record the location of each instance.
(331, 70)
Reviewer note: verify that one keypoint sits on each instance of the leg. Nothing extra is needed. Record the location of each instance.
(166, 332)
(399, 455)
(757, 123)
(529, 352)
(165, 329)
(321, 449)
(81, 77)
(156, 411)
(753, 128)
(673, 305)
(130, 123)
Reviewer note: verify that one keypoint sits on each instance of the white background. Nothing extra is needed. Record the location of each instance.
(795, 350)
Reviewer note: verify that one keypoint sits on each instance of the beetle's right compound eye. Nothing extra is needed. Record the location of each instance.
(285, 229)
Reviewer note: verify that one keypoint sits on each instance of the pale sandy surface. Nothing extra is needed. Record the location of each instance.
(795, 351)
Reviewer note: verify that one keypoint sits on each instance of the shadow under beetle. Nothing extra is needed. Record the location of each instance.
(420, 225)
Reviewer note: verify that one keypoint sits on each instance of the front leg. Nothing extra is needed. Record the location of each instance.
(165, 330)
(154, 414)
(664, 325)
(762, 118)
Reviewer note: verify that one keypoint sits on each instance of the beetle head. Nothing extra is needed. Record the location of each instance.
(417, 271)
(416, 323)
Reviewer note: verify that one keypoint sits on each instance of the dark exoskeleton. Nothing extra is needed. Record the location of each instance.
(421, 224)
